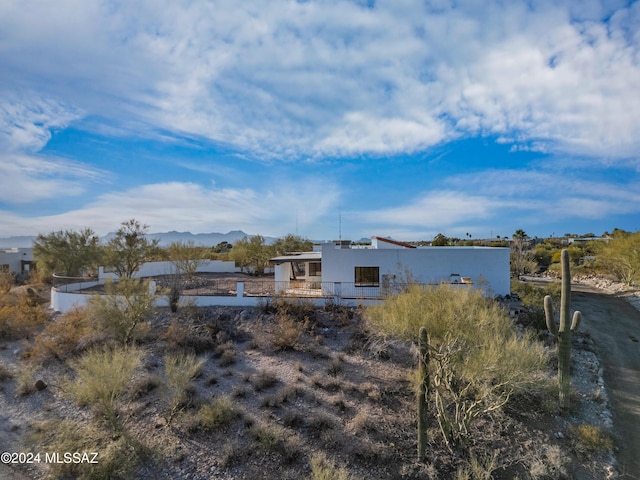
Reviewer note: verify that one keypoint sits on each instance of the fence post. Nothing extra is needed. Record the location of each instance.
(337, 291)
(240, 289)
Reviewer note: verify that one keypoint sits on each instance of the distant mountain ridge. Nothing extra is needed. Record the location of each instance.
(165, 238)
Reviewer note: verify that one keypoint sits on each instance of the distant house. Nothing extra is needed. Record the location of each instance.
(372, 271)
(18, 261)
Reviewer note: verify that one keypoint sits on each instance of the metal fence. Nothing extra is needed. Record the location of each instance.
(67, 284)
(251, 287)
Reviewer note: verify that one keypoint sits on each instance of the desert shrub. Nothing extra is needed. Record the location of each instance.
(532, 299)
(549, 463)
(322, 468)
(7, 280)
(226, 354)
(263, 380)
(590, 438)
(102, 376)
(118, 457)
(478, 468)
(20, 316)
(478, 360)
(61, 338)
(182, 334)
(122, 313)
(179, 372)
(287, 332)
(5, 372)
(364, 422)
(219, 413)
(272, 438)
(268, 437)
(335, 367)
(26, 378)
(492, 350)
(299, 308)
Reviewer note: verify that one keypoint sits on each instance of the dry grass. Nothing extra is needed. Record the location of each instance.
(322, 468)
(590, 438)
(218, 414)
(61, 339)
(477, 358)
(263, 380)
(118, 456)
(101, 377)
(20, 316)
(179, 372)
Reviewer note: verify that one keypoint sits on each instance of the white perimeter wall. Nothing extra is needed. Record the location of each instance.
(64, 302)
(427, 265)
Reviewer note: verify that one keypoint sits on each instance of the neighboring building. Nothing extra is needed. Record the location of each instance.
(18, 261)
(377, 270)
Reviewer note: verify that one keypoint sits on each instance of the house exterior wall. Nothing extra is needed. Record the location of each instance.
(13, 258)
(426, 265)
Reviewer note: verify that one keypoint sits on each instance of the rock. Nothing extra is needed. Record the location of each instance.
(40, 385)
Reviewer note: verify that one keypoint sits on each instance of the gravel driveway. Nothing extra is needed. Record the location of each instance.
(614, 325)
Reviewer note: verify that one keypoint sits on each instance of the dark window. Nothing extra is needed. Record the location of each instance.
(367, 276)
(315, 269)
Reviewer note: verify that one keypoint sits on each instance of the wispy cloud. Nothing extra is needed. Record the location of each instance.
(306, 79)
(190, 206)
(536, 198)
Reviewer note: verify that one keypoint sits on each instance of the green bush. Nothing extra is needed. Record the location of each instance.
(532, 299)
(477, 358)
(179, 372)
(219, 413)
(122, 313)
(102, 376)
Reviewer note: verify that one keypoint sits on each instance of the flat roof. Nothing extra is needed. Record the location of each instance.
(297, 257)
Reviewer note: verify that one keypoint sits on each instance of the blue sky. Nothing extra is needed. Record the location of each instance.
(402, 118)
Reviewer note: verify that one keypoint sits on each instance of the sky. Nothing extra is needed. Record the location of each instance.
(322, 118)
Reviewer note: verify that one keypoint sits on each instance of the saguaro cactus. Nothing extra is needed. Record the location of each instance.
(563, 333)
(423, 391)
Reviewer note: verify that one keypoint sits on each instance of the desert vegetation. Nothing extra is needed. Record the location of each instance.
(287, 390)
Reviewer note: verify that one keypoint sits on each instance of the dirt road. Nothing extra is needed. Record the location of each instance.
(614, 325)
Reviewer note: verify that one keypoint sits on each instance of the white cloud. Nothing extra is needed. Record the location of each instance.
(437, 209)
(470, 202)
(25, 178)
(26, 120)
(319, 78)
(189, 206)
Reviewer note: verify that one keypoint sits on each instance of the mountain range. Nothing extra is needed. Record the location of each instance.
(165, 238)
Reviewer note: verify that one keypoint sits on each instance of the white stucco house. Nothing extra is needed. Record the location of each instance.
(18, 261)
(368, 272)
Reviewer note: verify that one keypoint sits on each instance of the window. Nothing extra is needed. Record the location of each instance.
(315, 269)
(367, 276)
